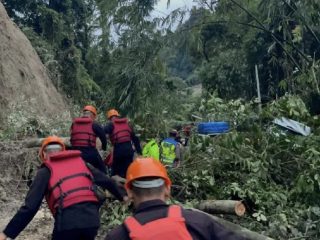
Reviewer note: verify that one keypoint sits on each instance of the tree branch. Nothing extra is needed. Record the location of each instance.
(272, 34)
(303, 19)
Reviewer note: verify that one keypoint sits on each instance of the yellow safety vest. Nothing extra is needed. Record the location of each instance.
(168, 150)
(151, 149)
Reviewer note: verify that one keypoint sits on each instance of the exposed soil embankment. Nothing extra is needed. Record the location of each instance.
(22, 74)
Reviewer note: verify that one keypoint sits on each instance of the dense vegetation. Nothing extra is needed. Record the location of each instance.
(115, 54)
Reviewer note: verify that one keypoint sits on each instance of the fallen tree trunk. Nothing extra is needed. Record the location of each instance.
(250, 235)
(222, 207)
(36, 142)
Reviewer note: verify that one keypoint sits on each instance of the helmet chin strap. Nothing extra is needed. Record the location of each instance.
(148, 184)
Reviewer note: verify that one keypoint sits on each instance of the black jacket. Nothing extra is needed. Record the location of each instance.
(98, 130)
(200, 226)
(82, 215)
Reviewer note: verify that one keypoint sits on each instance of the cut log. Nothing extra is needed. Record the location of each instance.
(222, 207)
(36, 142)
(246, 233)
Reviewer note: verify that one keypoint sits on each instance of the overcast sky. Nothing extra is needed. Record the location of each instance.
(162, 10)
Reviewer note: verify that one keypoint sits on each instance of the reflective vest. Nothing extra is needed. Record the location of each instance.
(121, 131)
(168, 147)
(172, 227)
(151, 149)
(82, 134)
(70, 182)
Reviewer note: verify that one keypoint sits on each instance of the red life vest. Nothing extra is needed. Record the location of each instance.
(70, 181)
(82, 134)
(121, 131)
(172, 227)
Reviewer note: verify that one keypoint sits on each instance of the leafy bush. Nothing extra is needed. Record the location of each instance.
(24, 121)
(274, 172)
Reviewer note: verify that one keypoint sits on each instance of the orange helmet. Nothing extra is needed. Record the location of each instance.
(50, 140)
(90, 109)
(146, 167)
(112, 112)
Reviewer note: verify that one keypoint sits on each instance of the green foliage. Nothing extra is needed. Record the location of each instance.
(289, 106)
(116, 49)
(188, 184)
(113, 214)
(275, 173)
(113, 54)
(23, 122)
(236, 112)
(51, 23)
(224, 40)
(226, 75)
(308, 182)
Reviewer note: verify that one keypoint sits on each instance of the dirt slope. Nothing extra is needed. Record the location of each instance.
(22, 74)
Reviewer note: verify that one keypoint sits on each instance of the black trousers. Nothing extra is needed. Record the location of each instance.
(122, 158)
(76, 234)
(92, 156)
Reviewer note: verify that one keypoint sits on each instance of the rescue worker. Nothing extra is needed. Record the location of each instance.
(122, 136)
(69, 188)
(187, 132)
(171, 155)
(151, 149)
(84, 131)
(148, 185)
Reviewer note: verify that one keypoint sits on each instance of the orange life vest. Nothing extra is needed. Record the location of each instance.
(70, 182)
(172, 227)
(121, 131)
(82, 134)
